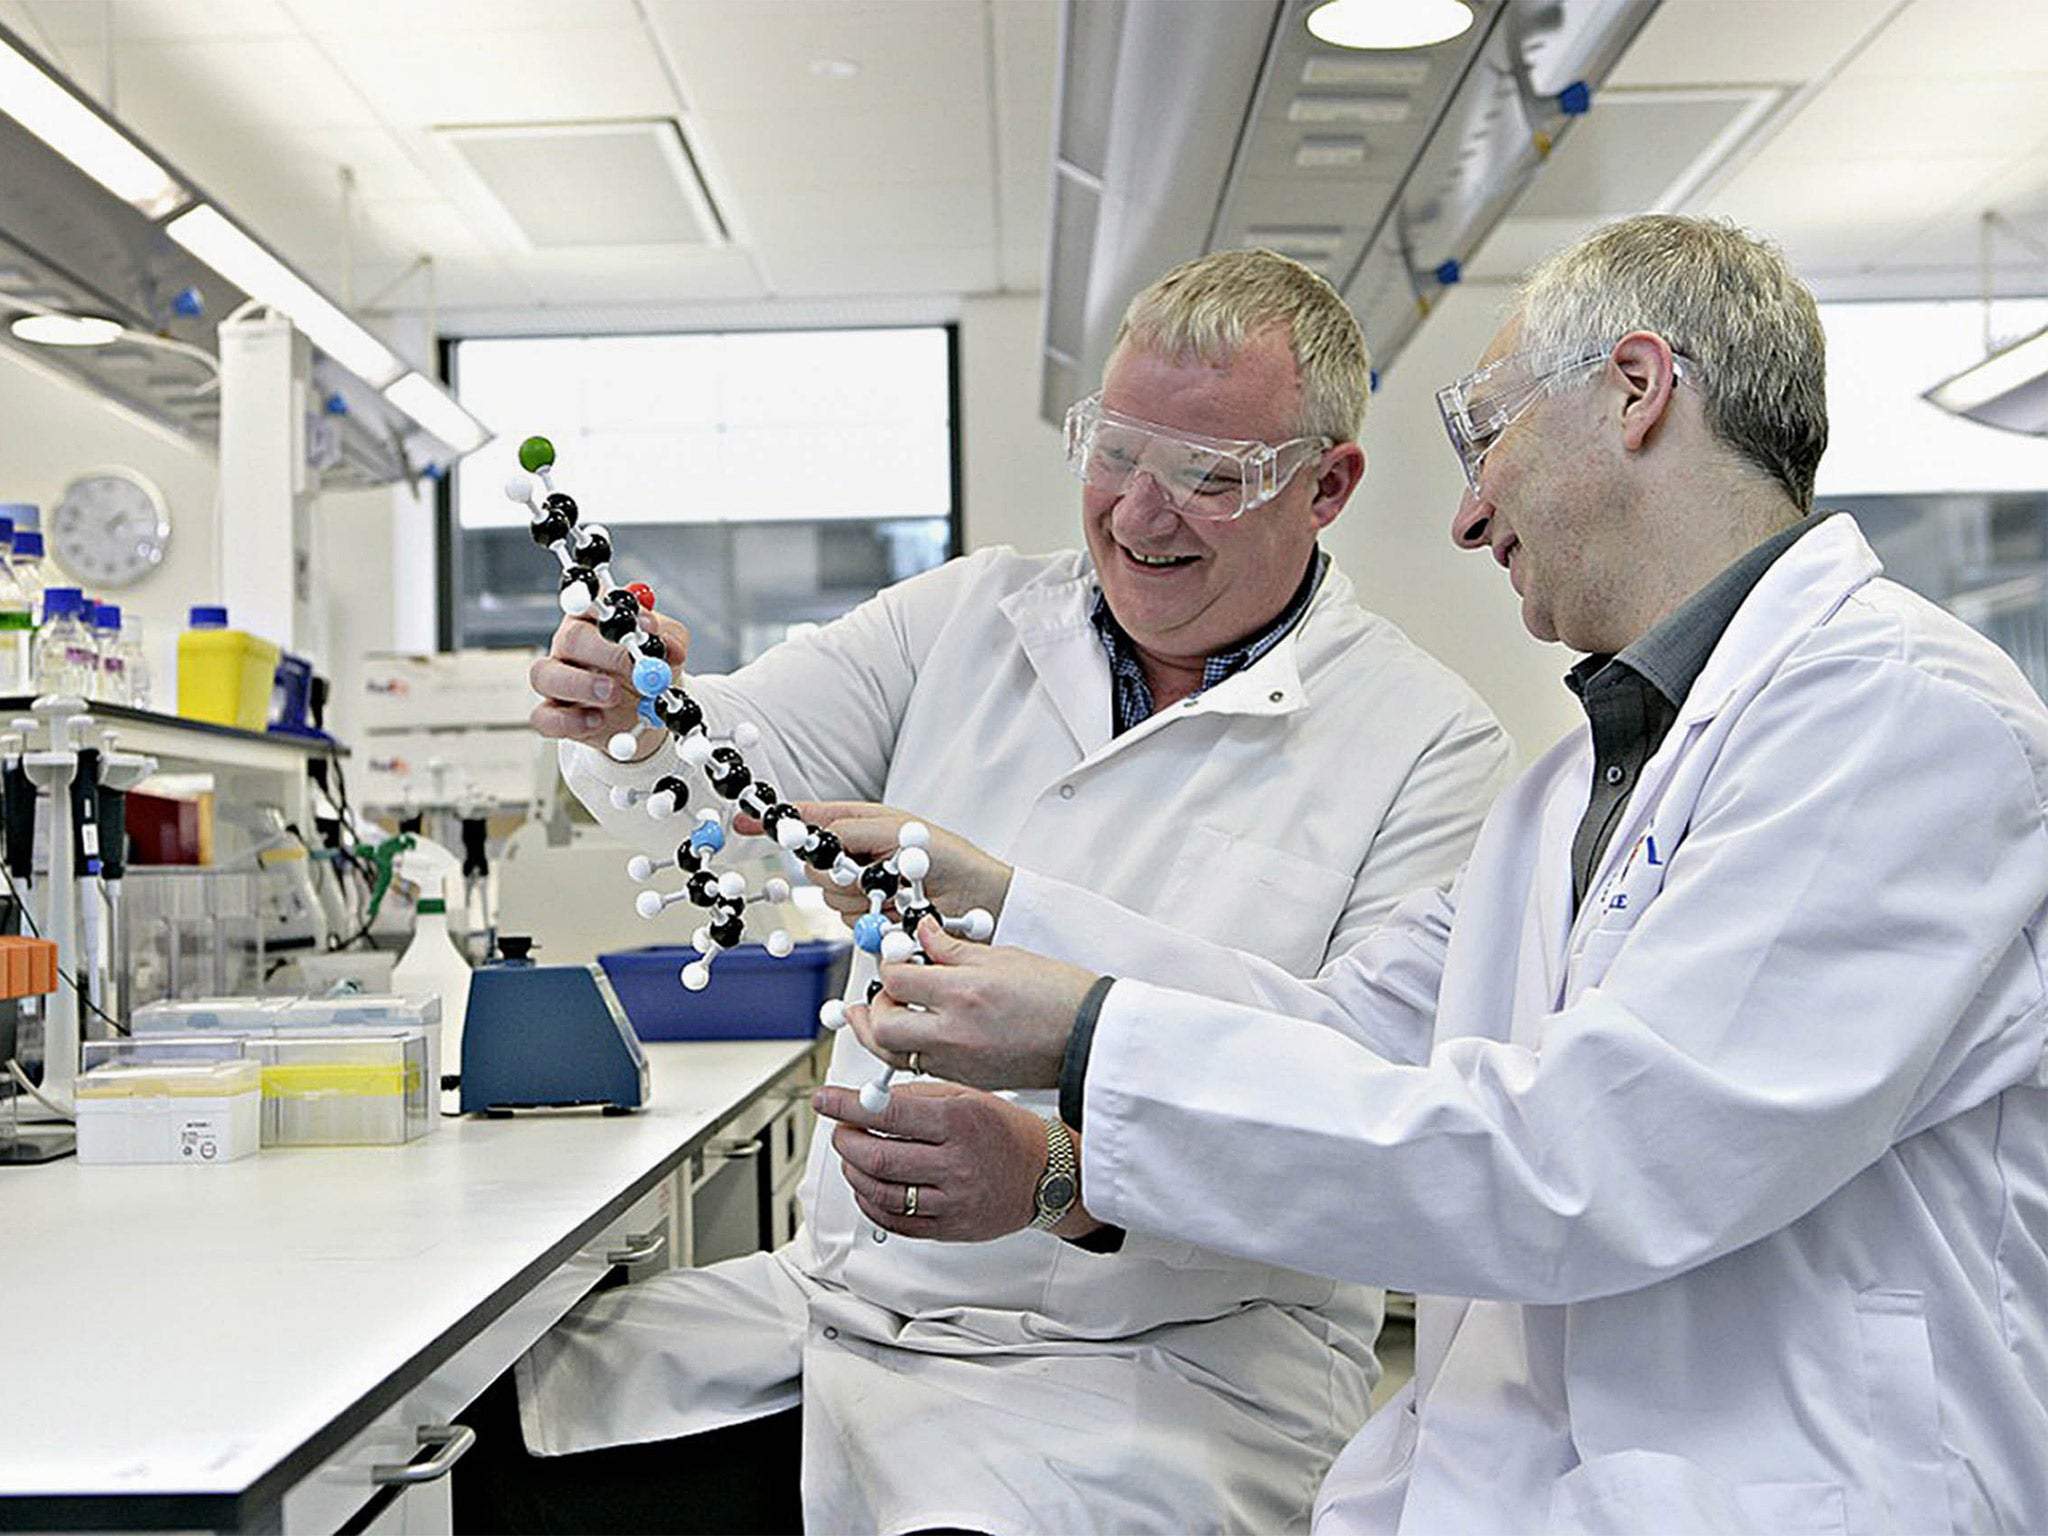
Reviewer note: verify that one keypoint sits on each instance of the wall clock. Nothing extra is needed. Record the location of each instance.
(110, 528)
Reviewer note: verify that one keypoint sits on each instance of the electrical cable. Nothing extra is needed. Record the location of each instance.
(14, 1069)
(35, 932)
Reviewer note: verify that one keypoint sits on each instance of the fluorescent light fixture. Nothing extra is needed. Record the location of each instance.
(1388, 23)
(207, 234)
(2008, 389)
(37, 100)
(66, 330)
(435, 409)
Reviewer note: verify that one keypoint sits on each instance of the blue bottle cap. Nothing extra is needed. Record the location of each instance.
(62, 600)
(28, 541)
(6, 530)
(209, 616)
(106, 615)
(24, 514)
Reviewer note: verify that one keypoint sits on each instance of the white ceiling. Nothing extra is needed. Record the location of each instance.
(1881, 129)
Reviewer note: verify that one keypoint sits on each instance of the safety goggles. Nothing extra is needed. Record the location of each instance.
(1481, 406)
(1214, 479)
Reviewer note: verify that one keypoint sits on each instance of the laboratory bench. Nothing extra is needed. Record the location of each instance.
(287, 1342)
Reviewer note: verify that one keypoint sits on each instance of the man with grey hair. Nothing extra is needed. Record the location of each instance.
(1161, 723)
(1708, 1112)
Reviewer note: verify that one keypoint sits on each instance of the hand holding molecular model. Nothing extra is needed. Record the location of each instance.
(624, 616)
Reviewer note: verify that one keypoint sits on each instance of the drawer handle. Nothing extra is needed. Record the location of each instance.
(732, 1148)
(640, 1250)
(454, 1440)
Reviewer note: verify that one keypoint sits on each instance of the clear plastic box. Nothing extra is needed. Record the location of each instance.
(168, 1100)
(191, 932)
(321, 1088)
(348, 1013)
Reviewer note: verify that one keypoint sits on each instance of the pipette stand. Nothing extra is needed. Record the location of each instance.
(118, 771)
(51, 770)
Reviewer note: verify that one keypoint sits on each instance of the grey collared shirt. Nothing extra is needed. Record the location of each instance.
(1631, 699)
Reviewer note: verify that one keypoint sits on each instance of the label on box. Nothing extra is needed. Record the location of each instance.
(199, 1140)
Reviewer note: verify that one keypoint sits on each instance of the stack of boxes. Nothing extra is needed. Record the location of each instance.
(447, 728)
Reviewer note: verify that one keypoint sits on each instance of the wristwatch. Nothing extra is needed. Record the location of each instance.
(1060, 1185)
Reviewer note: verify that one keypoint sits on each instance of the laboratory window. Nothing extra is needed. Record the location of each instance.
(759, 481)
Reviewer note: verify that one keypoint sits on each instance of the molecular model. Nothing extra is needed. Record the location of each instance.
(623, 614)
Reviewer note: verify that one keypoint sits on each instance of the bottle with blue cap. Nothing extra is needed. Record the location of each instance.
(224, 675)
(26, 562)
(113, 662)
(66, 661)
(17, 612)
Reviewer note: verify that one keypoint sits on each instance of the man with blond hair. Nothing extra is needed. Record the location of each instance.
(1708, 1112)
(1165, 723)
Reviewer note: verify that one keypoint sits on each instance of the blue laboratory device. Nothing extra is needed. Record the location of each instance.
(547, 1036)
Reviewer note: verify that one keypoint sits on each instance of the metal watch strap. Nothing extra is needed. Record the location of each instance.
(1059, 1187)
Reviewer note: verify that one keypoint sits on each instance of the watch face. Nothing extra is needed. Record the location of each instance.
(110, 529)
(1057, 1192)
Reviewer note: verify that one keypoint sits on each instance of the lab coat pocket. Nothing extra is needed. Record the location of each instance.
(1254, 897)
(1900, 1387)
(1630, 1493)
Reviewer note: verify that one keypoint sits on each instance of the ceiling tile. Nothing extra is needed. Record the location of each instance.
(85, 21)
(761, 152)
(1744, 42)
(1959, 39)
(362, 18)
(942, 214)
(757, 56)
(1916, 120)
(422, 78)
(813, 271)
(237, 86)
(636, 277)
(1847, 214)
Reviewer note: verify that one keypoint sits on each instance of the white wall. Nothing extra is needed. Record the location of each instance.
(1015, 488)
(51, 430)
(1395, 537)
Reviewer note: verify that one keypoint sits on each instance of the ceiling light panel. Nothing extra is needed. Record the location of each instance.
(577, 185)
(1379, 108)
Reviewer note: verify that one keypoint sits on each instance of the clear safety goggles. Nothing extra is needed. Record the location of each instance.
(1211, 478)
(1481, 406)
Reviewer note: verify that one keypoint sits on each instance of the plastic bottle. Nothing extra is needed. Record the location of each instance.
(134, 663)
(224, 675)
(432, 965)
(65, 660)
(17, 624)
(113, 662)
(27, 563)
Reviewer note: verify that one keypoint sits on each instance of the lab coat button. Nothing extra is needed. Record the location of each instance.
(1616, 773)
(881, 1236)
(1066, 791)
(1275, 696)
(831, 1333)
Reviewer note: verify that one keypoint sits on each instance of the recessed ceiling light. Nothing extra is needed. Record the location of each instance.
(1389, 23)
(834, 69)
(66, 330)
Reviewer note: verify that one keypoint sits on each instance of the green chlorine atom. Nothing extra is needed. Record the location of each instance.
(536, 454)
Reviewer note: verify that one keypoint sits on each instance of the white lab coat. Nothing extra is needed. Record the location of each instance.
(1746, 1168)
(1026, 1384)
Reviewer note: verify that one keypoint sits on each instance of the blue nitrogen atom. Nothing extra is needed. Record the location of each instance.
(707, 837)
(867, 932)
(652, 675)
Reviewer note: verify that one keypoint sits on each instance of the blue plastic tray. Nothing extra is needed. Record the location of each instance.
(752, 996)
